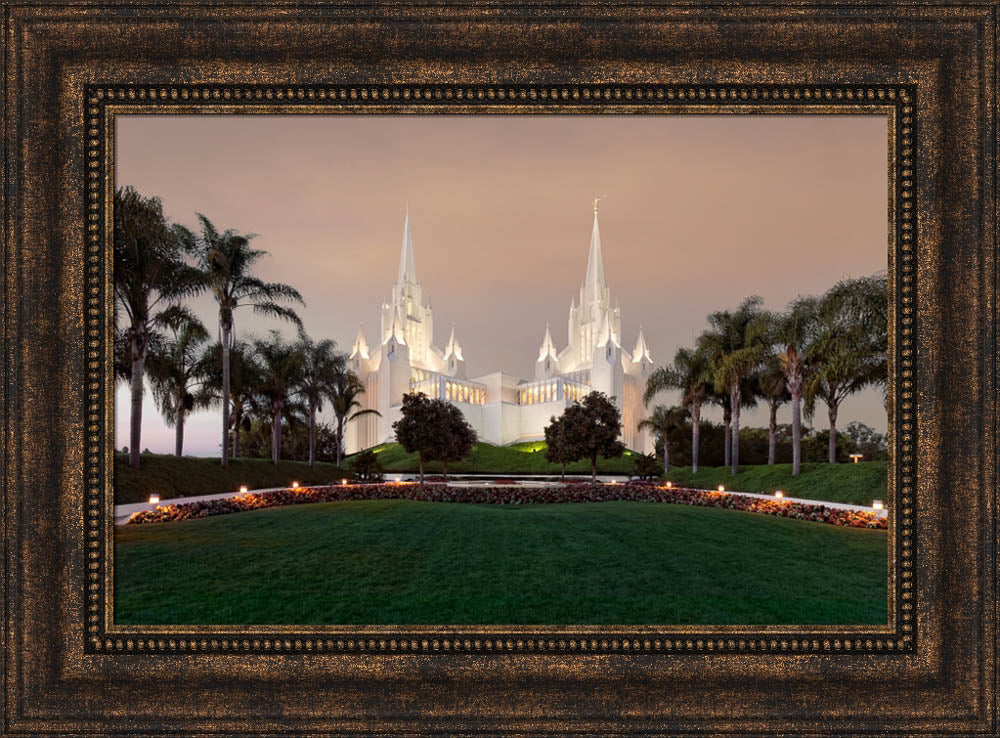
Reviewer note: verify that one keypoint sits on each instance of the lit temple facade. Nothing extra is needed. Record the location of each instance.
(502, 408)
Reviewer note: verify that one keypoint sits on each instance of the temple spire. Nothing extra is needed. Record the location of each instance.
(594, 284)
(641, 349)
(407, 266)
(360, 345)
(453, 347)
(548, 347)
(397, 328)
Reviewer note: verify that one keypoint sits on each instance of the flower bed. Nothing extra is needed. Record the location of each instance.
(436, 492)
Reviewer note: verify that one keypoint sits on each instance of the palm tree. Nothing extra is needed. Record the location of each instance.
(794, 332)
(661, 422)
(772, 387)
(176, 373)
(691, 374)
(151, 277)
(227, 262)
(848, 351)
(320, 367)
(863, 303)
(282, 365)
(736, 344)
(245, 376)
(344, 392)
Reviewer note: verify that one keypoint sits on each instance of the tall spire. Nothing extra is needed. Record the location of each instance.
(594, 283)
(407, 267)
(548, 347)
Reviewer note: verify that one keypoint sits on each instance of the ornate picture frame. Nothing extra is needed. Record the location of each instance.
(71, 69)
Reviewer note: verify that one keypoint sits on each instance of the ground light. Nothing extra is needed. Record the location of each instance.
(878, 505)
(722, 488)
(779, 493)
(343, 482)
(244, 489)
(154, 499)
(669, 485)
(295, 485)
(857, 457)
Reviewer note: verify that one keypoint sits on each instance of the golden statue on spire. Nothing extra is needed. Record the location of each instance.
(596, 201)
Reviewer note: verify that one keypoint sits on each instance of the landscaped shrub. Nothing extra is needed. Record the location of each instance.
(567, 493)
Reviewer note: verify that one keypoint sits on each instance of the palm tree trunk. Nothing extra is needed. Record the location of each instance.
(421, 469)
(832, 413)
(135, 429)
(340, 438)
(563, 472)
(666, 455)
(225, 395)
(237, 421)
(593, 469)
(735, 400)
(695, 435)
(179, 432)
(727, 419)
(772, 432)
(276, 435)
(796, 433)
(312, 435)
(444, 469)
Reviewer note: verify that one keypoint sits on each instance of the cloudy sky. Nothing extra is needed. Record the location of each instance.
(700, 211)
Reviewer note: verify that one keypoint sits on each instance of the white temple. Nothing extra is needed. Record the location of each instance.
(502, 408)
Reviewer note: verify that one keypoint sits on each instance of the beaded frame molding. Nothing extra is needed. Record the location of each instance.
(105, 103)
(71, 66)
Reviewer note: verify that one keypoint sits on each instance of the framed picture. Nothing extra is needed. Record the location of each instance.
(477, 370)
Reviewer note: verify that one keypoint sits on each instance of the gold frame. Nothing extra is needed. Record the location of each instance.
(69, 668)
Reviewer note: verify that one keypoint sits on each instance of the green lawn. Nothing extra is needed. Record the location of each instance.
(188, 476)
(857, 484)
(485, 458)
(405, 562)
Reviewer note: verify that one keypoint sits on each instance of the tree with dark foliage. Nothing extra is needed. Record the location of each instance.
(597, 423)
(562, 446)
(647, 466)
(366, 466)
(435, 430)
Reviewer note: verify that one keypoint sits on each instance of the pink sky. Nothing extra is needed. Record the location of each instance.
(700, 212)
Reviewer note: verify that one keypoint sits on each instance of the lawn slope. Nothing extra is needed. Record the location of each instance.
(857, 484)
(399, 561)
(485, 458)
(187, 476)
